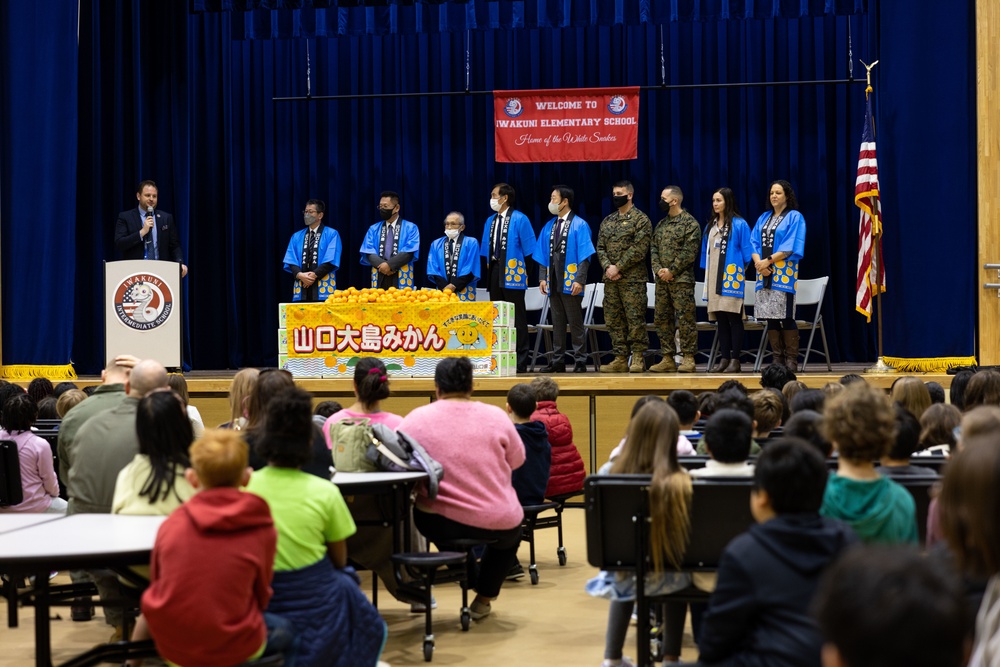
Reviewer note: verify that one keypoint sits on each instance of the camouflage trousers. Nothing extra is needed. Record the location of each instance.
(675, 312)
(625, 315)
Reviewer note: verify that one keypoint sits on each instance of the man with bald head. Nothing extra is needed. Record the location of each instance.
(105, 444)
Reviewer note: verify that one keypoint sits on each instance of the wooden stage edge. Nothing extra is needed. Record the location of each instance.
(215, 384)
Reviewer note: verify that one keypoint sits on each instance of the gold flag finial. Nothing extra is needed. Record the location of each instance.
(868, 74)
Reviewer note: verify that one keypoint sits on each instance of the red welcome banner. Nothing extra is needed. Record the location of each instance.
(568, 125)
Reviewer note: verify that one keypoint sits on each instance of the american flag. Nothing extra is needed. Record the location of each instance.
(871, 272)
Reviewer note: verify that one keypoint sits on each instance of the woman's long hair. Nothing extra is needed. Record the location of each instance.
(164, 432)
(651, 447)
(729, 211)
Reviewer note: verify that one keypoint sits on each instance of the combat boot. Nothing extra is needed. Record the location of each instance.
(668, 365)
(638, 364)
(619, 365)
(791, 341)
(777, 346)
(687, 364)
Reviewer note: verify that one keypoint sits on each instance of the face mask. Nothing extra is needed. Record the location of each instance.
(553, 208)
(495, 205)
(310, 220)
(619, 200)
(664, 206)
(451, 233)
(386, 213)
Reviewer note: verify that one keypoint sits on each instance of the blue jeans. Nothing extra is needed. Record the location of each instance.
(281, 638)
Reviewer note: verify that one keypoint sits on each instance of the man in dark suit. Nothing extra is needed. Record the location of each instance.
(140, 235)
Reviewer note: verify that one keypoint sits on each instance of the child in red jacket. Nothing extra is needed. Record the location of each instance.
(567, 471)
(211, 567)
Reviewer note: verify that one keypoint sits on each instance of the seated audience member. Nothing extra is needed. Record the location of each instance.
(937, 428)
(759, 611)
(736, 401)
(224, 623)
(90, 390)
(895, 463)
(648, 398)
(567, 472)
(62, 388)
(269, 383)
(323, 410)
(956, 392)
(978, 422)
(912, 394)
(371, 546)
(47, 408)
(335, 622)
(861, 425)
(177, 382)
(532, 478)
(649, 449)
(936, 392)
(69, 400)
(729, 385)
(831, 389)
(727, 438)
(851, 378)
(239, 398)
(476, 497)
(154, 483)
(39, 485)
(685, 405)
(9, 391)
(969, 502)
(776, 376)
(768, 411)
(808, 425)
(880, 606)
(706, 406)
(983, 389)
(809, 399)
(791, 389)
(40, 388)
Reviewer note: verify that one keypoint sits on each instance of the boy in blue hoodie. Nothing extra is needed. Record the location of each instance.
(531, 479)
(759, 611)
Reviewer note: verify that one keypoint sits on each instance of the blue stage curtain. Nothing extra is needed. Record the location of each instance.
(191, 107)
(927, 167)
(283, 19)
(38, 152)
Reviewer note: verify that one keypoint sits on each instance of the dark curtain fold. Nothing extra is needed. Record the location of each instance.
(284, 19)
(38, 149)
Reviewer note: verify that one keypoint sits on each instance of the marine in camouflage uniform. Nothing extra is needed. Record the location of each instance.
(676, 245)
(623, 242)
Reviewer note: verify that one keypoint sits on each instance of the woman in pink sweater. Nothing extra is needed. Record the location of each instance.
(479, 448)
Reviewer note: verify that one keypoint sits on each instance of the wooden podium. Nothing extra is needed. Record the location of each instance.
(142, 310)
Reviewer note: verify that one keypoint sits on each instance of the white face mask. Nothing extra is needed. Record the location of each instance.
(495, 205)
(553, 208)
(451, 233)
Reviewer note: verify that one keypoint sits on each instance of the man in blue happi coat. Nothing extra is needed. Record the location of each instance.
(453, 260)
(563, 255)
(313, 256)
(391, 246)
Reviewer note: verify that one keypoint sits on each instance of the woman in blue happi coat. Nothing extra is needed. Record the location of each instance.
(725, 253)
(779, 239)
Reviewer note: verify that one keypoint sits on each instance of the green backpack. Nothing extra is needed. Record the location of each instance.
(349, 440)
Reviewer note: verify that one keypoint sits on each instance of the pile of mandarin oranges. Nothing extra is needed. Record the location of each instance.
(393, 295)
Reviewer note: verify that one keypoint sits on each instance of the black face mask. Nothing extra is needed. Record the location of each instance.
(664, 206)
(619, 200)
(386, 213)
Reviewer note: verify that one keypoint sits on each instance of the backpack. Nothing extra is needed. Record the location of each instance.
(11, 491)
(349, 441)
(395, 451)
